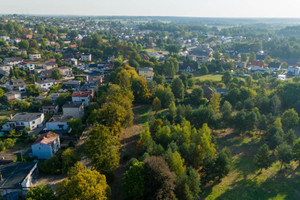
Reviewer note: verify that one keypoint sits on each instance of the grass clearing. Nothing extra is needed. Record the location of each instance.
(212, 77)
(246, 182)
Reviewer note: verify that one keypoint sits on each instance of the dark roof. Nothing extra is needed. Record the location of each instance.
(260, 57)
(14, 173)
(71, 104)
(274, 65)
(25, 117)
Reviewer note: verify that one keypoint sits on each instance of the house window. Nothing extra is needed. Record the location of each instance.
(33, 122)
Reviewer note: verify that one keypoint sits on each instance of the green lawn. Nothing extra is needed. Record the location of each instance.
(212, 77)
(245, 182)
(141, 114)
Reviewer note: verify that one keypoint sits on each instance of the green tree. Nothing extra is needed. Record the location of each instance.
(203, 70)
(56, 74)
(156, 104)
(296, 150)
(33, 90)
(214, 102)
(140, 90)
(69, 158)
(284, 154)
(252, 57)
(103, 149)
(87, 184)
(290, 118)
(133, 182)
(76, 126)
(244, 57)
(196, 96)
(24, 44)
(226, 78)
(223, 163)
(178, 88)
(262, 159)
(40, 192)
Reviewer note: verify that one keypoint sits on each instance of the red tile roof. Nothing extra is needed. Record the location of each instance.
(46, 138)
(80, 94)
(258, 63)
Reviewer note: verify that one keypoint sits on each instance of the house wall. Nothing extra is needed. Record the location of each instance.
(81, 99)
(42, 151)
(147, 74)
(56, 126)
(27, 182)
(45, 86)
(74, 112)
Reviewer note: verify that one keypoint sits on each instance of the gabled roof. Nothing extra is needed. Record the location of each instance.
(25, 117)
(46, 138)
(14, 173)
(72, 104)
(60, 118)
(274, 65)
(257, 63)
(80, 94)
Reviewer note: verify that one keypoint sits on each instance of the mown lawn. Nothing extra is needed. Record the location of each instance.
(246, 182)
(212, 77)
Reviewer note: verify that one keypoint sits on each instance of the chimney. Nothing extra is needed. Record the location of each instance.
(11, 116)
(1, 178)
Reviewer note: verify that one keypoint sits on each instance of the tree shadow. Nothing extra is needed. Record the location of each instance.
(284, 184)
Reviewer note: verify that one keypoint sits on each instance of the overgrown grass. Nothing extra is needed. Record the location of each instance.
(246, 182)
(141, 114)
(212, 77)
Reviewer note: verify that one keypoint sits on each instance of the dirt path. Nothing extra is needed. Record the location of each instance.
(128, 140)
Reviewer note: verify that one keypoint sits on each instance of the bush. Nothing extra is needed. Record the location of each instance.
(50, 166)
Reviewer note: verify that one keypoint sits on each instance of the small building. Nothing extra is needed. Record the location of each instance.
(86, 57)
(16, 85)
(75, 109)
(54, 96)
(58, 123)
(13, 95)
(275, 66)
(26, 66)
(22, 120)
(207, 92)
(281, 77)
(72, 84)
(146, 72)
(16, 178)
(12, 61)
(46, 145)
(5, 69)
(35, 56)
(258, 63)
(66, 72)
(50, 109)
(293, 71)
(46, 84)
(81, 96)
(240, 65)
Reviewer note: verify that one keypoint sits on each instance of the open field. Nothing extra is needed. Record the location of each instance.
(212, 77)
(246, 182)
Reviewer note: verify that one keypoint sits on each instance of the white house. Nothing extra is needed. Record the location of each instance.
(25, 66)
(146, 72)
(22, 120)
(16, 85)
(58, 123)
(46, 145)
(13, 61)
(5, 69)
(13, 95)
(35, 56)
(86, 57)
(66, 71)
(45, 84)
(16, 177)
(81, 96)
(294, 71)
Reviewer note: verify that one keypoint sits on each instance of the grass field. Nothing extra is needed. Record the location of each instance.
(212, 77)
(246, 182)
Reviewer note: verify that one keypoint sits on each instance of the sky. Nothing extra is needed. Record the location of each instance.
(186, 8)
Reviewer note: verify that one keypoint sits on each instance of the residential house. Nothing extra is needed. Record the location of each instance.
(258, 63)
(66, 72)
(293, 71)
(12, 61)
(81, 96)
(222, 91)
(207, 92)
(274, 66)
(58, 123)
(16, 178)
(13, 95)
(26, 66)
(16, 85)
(72, 61)
(3, 78)
(86, 57)
(46, 145)
(46, 74)
(54, 96)
(35, 56)
(146, 72)
(50, 109)
(22, 120)
(50, 65)
(75, 109)
(240, 65)
(72, 84)
(46, 84)
(5, 69)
